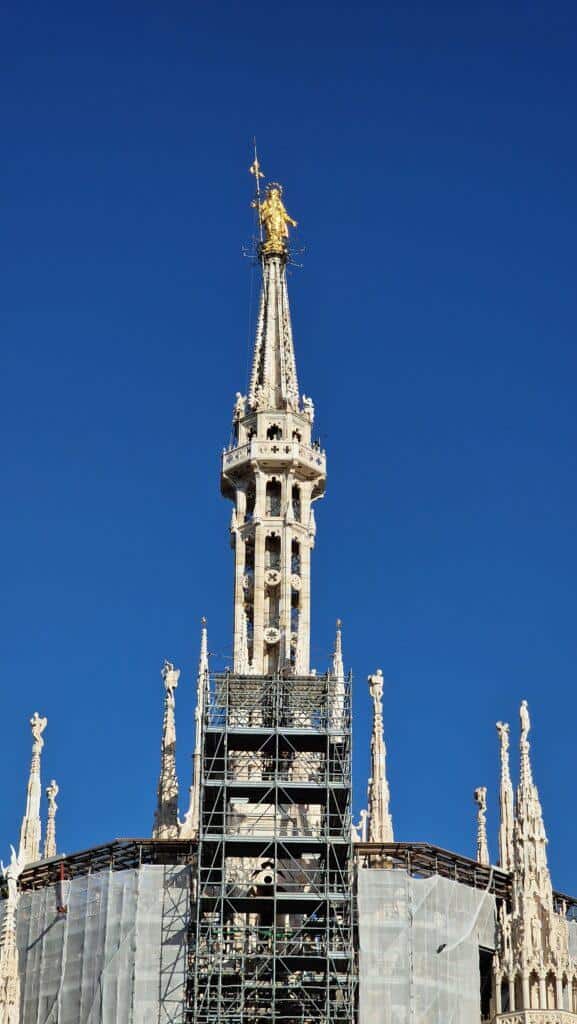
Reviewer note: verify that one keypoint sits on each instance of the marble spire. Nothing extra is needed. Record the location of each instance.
(166, 816)
(50, 841)
(190, 827)
(529, 837)
(533, 955)
(480, 797)
(338, 668)
(338, 674)
(30, 832)
(273, 471)
(506, 801)
(380, 825)
(9, 974)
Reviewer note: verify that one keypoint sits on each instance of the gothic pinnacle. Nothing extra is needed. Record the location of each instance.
(166, 816)
(506, 801)
(9, 972)
(30, 832)
(480, 797)
(531, 929)
(379, 817)
(338, 669)
(50, 841)
(190, 827)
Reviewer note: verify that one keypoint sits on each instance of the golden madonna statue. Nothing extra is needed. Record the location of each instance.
(275, 220)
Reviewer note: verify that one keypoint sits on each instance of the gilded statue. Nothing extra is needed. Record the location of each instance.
(275, 220)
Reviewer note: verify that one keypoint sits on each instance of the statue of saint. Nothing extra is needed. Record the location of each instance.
(525, 721)
(38, 726)
(170, 675)
(503, 731)
(275, 220)
(376, 686)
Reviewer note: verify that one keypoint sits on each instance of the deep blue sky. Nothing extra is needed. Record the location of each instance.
(429, 153)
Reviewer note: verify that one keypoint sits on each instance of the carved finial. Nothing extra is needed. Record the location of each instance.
(380, 821)
(50, 842)
(29, 850)
(166, 814)
(505, 801)
(190, 827)
(480, 797)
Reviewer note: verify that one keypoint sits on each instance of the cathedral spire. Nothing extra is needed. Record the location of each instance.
(50, 841)
(166, 816)
(480, 797)
(29, 850)
(273, 472)
(191, 825)
(379, 817)
(506, 802)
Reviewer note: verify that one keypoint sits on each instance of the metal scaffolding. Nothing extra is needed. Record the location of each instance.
(273, 917)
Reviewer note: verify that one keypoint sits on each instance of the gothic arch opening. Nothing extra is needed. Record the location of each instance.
(533, 991)
(273, 497)
(272, 551)
(274, 432)
(296, 502)
(296, 557)
(250, 502)
(551, 992)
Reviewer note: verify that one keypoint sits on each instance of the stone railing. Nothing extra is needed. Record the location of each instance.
(537, 1017)
(275, 451)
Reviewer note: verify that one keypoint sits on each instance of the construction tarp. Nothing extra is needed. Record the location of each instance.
(117, 953)
(419, 941)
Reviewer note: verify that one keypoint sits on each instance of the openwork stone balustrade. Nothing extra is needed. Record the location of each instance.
(537, 1017)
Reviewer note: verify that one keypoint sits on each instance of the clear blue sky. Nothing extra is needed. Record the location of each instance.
(429, 153)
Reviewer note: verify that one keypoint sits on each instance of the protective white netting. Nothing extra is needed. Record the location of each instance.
(118, 954)
(419, 948)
